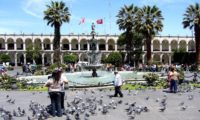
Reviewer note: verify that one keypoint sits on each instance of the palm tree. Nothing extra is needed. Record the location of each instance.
(125, 21)
(55, 14)
(149, 23)
(192, 20)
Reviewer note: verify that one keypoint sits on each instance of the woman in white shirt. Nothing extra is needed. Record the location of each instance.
(55, 86)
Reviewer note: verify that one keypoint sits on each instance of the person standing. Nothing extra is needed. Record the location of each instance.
(118, 83)
(54, 88)
(174, 80)
(64, 80)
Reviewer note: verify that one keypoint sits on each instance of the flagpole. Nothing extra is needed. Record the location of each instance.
(110, 15)
(104, 25)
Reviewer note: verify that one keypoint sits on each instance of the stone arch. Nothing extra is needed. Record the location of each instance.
(2, 44)
(111, 44)
(83, 57)
(47, 59)
(122, 47)
(10, 43)
(156, 45)
(102, 44)
(47, 44)
(28, 43)
(165, 45)
(65, 44)
(39, 59)
(74, 44)
(20, 58)
(182, 45)
(156, 57)
(174, 45)
(191, 45)
(12, 57)
(19, 43)
(83, 44)
(38, 43)
(165, 58)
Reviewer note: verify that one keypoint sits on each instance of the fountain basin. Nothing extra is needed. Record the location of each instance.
(85, 78)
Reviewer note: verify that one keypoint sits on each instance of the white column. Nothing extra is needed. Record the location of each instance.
(97, 46)
(24, 46)
(178, 46)
(115, 46)
(51, 58)
(60, 47)
(106, 46)
(143, 59)
(42, 44)
(161, 47)
(15, 59)
(15, 46)
(161, 58)
(186, 47)
(170, 47)
(170, 59)
(151, 47)
(24, 58)
(79, 46)
(61, 57)
(6, 46)
(43, 59)
(70, 46)
(51, 46)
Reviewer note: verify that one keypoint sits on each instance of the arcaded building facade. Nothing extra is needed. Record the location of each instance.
(16, 45)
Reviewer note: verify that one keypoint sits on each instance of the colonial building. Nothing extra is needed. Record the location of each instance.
(16, 44)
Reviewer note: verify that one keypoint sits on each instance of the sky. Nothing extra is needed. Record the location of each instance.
(26, 16)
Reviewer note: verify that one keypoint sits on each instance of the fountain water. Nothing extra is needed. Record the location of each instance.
(94, 56)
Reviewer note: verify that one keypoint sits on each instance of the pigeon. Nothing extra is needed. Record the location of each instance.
(190, 97)
(158, 99)
(162, 109)
(147, 98)
(132, 117)
(181, 104)
(120, 102)
(183, 108)
(7, 96)
(136, 92)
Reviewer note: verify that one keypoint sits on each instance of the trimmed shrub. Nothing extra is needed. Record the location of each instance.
(151, 78)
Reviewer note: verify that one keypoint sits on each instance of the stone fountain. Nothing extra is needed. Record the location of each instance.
(94, 55)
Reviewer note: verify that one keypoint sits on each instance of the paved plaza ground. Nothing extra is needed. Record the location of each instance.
(149, 98)
(116, 106)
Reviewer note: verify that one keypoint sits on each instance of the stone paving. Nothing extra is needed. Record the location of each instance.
(148, 98)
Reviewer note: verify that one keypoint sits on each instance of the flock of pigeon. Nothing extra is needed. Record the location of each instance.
(89, 104)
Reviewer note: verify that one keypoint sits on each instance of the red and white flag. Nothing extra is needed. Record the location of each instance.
(99, 21)
(82, 21)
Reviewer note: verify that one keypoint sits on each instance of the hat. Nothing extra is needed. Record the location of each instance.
(115, 71)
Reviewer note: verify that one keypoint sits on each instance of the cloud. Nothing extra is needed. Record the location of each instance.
(36, 7)
(14, 22)
(6, 30)
(163, 2)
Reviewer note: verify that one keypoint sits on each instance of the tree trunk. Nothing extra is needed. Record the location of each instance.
(56, 44)
(197, 39)
(129, 45)
(148, 44)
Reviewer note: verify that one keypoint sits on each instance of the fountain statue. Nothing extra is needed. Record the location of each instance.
(94, 56)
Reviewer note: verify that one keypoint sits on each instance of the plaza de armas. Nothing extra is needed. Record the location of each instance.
(139, 46)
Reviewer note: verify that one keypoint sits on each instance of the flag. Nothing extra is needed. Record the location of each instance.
(99, 21)
(82, 21)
